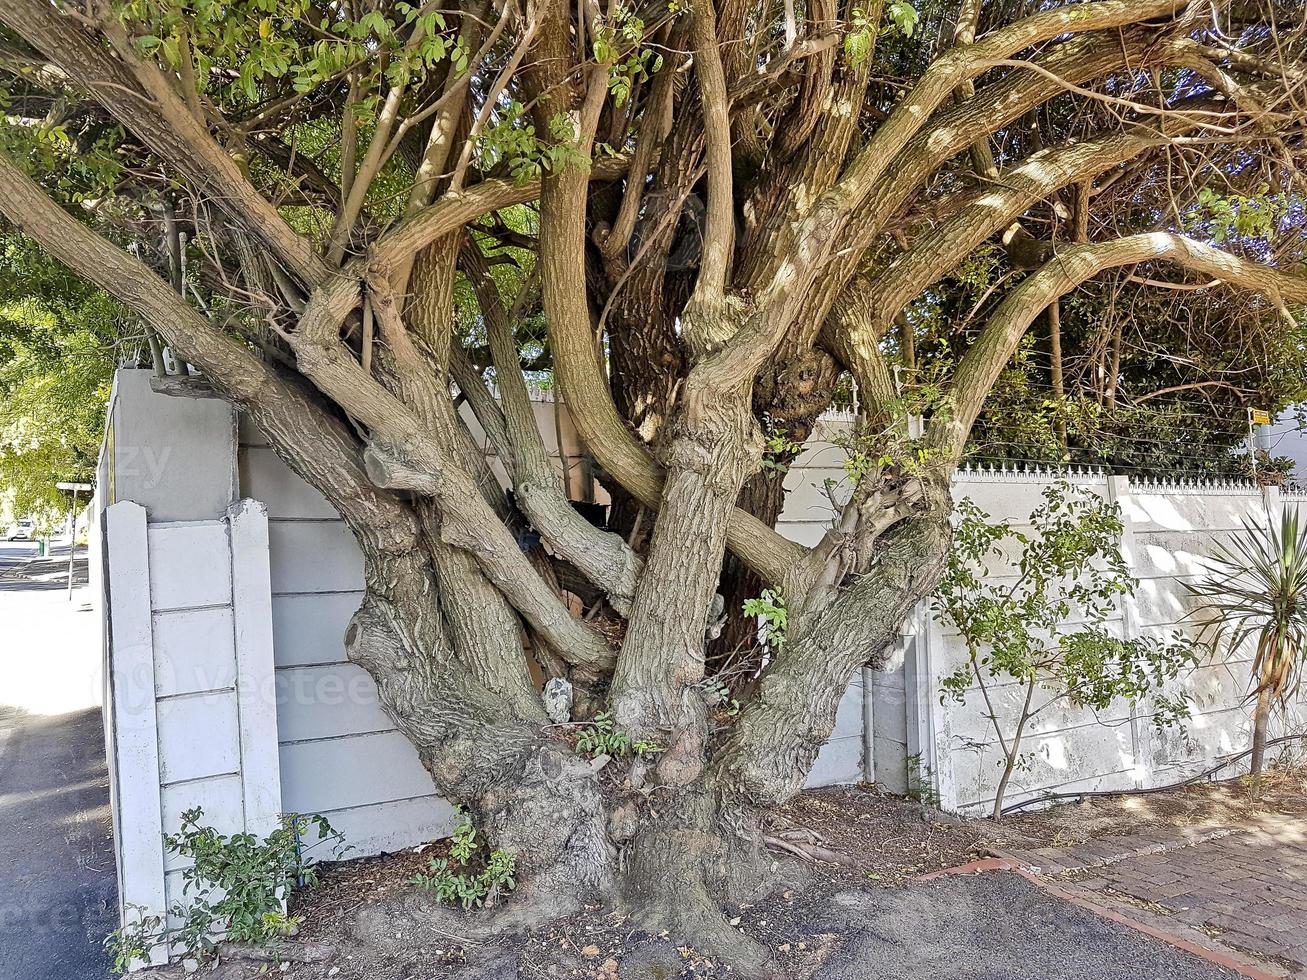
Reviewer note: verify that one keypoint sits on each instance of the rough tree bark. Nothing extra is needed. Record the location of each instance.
(770, 149)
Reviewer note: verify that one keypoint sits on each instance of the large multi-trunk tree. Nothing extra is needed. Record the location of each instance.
(703, 218)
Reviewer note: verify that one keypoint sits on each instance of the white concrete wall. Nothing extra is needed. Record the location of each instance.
(1169, 528)
(189, 719)
(340, 755)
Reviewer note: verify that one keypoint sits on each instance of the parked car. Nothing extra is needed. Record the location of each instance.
(22, 531)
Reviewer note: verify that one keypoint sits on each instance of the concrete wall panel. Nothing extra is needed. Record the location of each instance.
(194, 651)
(336, 773)
(310, 628)
(326, 701)
(266, 478)
(199, 735)
(314, 556)
(189, 566)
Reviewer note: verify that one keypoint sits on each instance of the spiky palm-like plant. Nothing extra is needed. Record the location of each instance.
(1256, 587)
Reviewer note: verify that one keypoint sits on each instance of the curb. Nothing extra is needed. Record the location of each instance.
(1001, 861)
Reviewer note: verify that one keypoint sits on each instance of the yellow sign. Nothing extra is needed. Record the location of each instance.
(1258, 417)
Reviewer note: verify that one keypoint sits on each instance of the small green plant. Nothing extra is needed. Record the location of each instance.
(778, 447)
(871, 451)
(455, 878)
(134, 940)
(1222, 216)
(717, 695)
(1015, 626)
(236, 887)
(512, 143)
(601, 736)
(921, 782)
(770, 608)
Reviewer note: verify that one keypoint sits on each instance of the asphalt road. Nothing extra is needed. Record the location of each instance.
(993, 926)
(57, 878)
(13, 554)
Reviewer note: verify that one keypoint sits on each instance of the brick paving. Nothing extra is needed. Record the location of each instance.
(1242, 886)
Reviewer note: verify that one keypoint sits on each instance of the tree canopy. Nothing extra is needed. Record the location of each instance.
(706, 222)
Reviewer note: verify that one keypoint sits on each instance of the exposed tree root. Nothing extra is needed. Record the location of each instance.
(810, 852)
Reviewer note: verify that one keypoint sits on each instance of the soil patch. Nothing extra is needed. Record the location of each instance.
(867, 915)
(1194, 811)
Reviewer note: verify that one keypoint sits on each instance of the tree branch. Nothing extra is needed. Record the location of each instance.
(603, 557)
(719, 230)
(1010, 195)
(992, 350)
(148, 105)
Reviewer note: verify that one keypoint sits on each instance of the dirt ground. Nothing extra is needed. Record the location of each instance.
(1281, 791)
(376, 925)
(367, 921)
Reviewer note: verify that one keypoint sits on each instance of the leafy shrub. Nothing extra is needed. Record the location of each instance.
(454, 879)
(1068, 566)
(602, 737)
(236, 887)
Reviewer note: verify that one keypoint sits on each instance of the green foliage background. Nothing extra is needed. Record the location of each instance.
(59, 344)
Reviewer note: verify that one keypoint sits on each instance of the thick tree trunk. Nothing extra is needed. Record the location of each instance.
(714, 445)
(670, 860)
(529, 794)
(791, 393)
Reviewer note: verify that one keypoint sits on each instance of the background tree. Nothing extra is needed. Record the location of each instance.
(717, 211)
(1067, 565)
(60, 341)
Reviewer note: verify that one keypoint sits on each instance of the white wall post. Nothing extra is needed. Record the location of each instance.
(934, 771)
(1274, 503)
(255, 672)
(137, 815)
(1141, 733)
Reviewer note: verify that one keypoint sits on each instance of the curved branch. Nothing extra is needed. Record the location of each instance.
(333, 300)
(602, 556)
(403, 455)
(992, 350)
(584, 387)
(1012, 193)
(149, 106)
(964, 64)
(321, 449)
(955, 129)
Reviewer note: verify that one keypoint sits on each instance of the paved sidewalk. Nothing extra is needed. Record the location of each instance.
(1242, 886)
(57, 877)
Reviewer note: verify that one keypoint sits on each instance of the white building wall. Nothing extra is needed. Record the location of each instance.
(338, 754)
